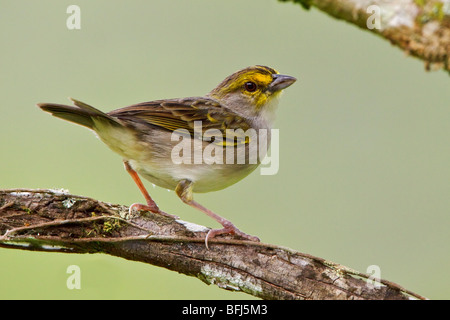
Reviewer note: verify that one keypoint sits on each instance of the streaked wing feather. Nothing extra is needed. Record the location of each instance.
(181, 114)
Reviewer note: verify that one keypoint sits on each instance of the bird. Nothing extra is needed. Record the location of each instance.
(190, 145)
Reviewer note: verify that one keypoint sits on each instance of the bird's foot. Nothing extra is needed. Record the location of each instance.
(152, 208)
(229, 228)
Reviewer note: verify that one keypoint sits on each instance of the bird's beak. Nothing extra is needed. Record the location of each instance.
(281, 82)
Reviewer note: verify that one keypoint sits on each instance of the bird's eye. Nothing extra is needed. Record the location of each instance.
(250, 86)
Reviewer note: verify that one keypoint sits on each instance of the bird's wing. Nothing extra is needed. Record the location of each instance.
(175, 114)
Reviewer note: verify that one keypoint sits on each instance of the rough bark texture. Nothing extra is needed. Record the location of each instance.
(421, 28)
(55, 221)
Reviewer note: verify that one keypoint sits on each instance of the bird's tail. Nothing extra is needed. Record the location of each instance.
(81, 113)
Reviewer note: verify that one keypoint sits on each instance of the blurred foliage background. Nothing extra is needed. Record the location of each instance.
(364, 153)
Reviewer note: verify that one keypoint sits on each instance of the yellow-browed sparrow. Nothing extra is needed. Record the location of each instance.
(191, 144)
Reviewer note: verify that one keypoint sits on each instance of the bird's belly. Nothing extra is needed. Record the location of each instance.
(206, 177)
(157, 159)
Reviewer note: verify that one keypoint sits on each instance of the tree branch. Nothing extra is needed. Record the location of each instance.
(55, 221)
(419, 28)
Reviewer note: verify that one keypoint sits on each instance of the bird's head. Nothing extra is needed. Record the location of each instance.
(252, 91)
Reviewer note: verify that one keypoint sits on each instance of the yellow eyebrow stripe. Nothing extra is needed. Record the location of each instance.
(260, 78)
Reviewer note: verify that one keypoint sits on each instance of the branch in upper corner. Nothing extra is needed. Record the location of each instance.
(420, 28)
(56, 221)
(306, 4)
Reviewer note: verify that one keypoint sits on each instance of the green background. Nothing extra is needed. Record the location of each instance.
(364, 151)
